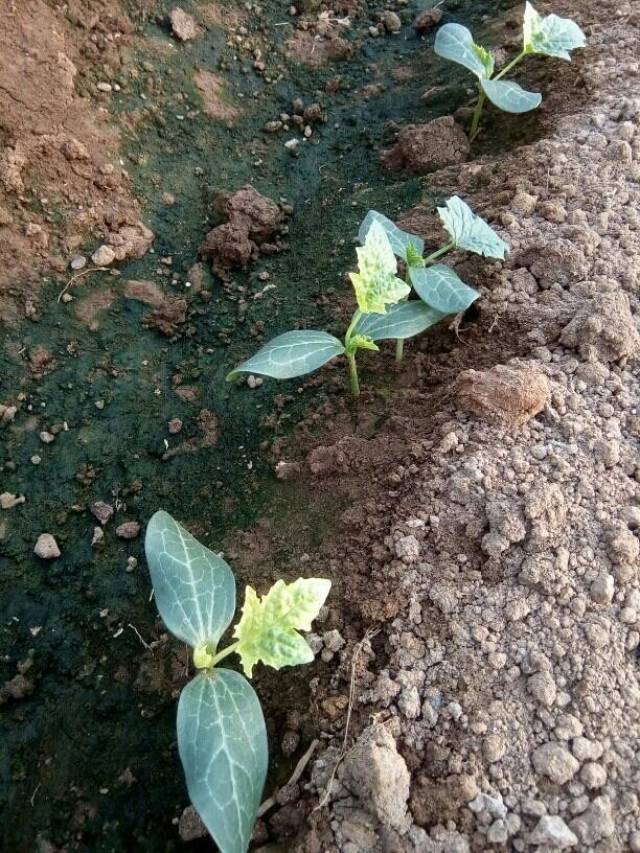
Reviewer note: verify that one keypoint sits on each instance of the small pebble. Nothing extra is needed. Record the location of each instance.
(46, 547)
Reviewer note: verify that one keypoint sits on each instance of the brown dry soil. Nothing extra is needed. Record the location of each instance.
(477, 509)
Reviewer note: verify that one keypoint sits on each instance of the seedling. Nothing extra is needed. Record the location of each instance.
(546, 36)
(383, 312)
(222, 738)
(437, 285)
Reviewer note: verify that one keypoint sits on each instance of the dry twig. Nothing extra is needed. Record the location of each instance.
(77, 276)
(297, 773)
(352, 689)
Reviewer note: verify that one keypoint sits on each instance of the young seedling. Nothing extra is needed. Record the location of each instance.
(546, 36)
(222, 739)
(437, 285)
(378, 291)
(383, 311)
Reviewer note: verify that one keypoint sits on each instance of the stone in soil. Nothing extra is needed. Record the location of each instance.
(46, 547)
(183, 26)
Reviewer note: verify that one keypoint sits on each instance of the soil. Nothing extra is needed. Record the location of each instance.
(478, 509)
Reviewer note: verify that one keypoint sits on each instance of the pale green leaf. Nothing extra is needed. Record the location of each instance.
(401, 321)
(194, 589)
(440, 287)
(222, 741)
(456, 43)
(376, 284)
(510, 97)
(358, 341)
(469, 231)
(291, 354)
(401, 241)
(268, 629)
(551, 35)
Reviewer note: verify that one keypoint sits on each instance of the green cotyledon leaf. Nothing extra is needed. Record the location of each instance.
(401, 321)
(268, 629)
(403, 244)
(441, 288)
(291, 354)
(510, 97)
(469, 231)
(376, 284)
(455, 42)
(551, 35)
(194, 588)
(222, 741)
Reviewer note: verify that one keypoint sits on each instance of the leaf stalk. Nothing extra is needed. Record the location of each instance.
(353, 374)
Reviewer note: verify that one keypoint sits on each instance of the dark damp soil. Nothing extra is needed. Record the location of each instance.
(89, 759)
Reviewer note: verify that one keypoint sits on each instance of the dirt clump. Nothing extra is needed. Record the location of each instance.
(211, 88)
(254, 225)
(209, 428)
(427, 20)
(170, 311)
(377, 775)
(506, 392)
(424, 148)
(183, 26)
(604, 328)
(318, 48)
(89, 307)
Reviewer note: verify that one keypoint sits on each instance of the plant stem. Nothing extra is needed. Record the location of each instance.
(352, 325)
(353, 374)
(223, 654)
(475, 122)
(511, 65)
(399, 350)
(443, 251)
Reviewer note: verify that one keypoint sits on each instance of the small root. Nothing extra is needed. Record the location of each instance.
(324, 799)
(297, 773)
(77, 276)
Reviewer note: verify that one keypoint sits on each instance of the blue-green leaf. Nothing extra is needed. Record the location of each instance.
(291, 354)
(456, 43)
(440, 287)
(401, 321)
(194, 589)
(551, 35)
(469, 231)
(222, 742)
(510, 97)
(400, 240)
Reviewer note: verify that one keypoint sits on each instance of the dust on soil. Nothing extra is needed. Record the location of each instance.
(496, 565)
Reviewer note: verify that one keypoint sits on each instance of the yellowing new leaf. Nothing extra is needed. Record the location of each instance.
(376, 284)
(268, 629)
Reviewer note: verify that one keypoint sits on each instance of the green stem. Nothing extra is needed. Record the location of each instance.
(399, 350)
(353, 374)
(352, 325)
(511, 65)
(443, 251)
(475, 121)
(223, 654)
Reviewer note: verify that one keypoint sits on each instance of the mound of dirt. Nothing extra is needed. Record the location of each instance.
(504, 542)
(254, 223)
(61, 181)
